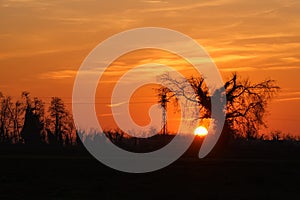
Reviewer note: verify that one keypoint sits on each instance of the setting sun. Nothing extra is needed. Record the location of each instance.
(201, 131)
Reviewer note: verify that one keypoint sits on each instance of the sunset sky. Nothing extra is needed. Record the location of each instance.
(43, 43)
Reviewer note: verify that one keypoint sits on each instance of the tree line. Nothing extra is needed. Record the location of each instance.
(28, 121)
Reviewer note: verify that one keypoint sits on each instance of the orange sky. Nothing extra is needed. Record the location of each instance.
(44, 42)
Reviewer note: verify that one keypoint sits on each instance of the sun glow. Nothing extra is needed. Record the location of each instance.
(200, 131)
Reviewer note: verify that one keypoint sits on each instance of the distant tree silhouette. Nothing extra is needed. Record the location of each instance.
(70, 130)
(34, 120)
(5, 118)
(17, 118)
(61, 122)
(25, 121)
(115, 136)
(276, 135)
(246, 102)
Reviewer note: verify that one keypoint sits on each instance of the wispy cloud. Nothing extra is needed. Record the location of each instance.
(245, 69)
(185, 7)
(63, 74)
(26, 3)
(154, 2)
(40, 52)
(107, 115)
(288, 95)
(289, 99)
(291, 59)
(237, 69)
(117, 104)
(227, 58)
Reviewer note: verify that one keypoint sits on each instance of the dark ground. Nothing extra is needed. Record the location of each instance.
(245, 171)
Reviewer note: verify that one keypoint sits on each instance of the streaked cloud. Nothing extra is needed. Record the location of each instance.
(58, 74)
(227, 58)
(288, 95)
(24, 54)
(289, 99)
(117, 104)
(38, 4)
(107, 115)
(186, 7)
(245, 69)
(154, 2)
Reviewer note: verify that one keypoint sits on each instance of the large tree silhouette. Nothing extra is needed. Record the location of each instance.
(246, 101)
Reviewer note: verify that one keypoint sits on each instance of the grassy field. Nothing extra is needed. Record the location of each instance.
(244, 171)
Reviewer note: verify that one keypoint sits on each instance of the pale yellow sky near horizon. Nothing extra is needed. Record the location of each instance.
(43, 42)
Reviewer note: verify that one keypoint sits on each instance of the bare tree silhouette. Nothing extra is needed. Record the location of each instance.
(25, 121)
(60, 122)
(5, 118)
(17, 117)
(246, 102)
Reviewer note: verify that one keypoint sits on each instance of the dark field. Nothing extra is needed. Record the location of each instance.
(244, 171)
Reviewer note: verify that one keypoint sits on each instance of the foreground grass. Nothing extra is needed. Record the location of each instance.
(266, 171)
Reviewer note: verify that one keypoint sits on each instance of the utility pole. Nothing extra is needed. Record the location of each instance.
(163, 100)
